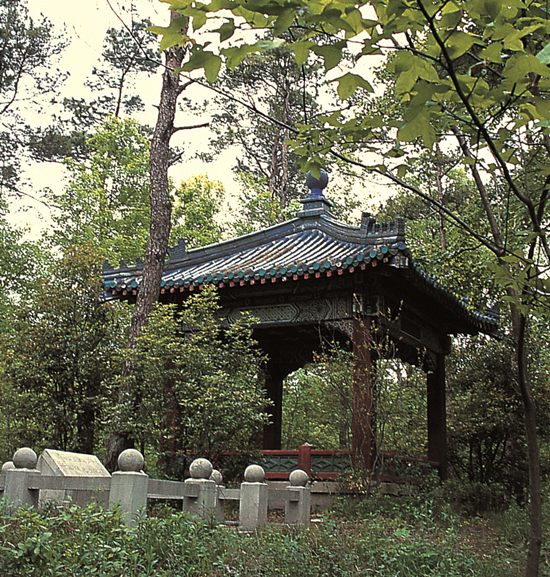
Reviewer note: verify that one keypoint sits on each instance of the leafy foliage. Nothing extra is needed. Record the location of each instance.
(441, 247)
(317, 403)
(197, 206)
(196, 386)
(485, 415)
(384, 535)
(486, 433)
(106, 200)
(57, 363)
(401, 414)
(126, 54)
(21, 263)
(284, 91)
(469, 71)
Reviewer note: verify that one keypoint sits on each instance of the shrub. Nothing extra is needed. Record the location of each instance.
(472, 498)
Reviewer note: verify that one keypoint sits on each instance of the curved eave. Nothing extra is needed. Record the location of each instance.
(393, 256)
(474, 322)
(307, 247)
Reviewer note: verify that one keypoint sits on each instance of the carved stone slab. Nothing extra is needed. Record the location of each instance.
(65, 464)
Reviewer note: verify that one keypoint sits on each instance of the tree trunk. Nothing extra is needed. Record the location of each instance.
(153, 266)
(519, 322)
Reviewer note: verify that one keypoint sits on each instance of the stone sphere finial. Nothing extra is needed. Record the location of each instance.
(216, 476)
(254, 474)
(317, 185)
(298, 478)
(200, 469)
(7, 465)
(25, 458)
(130, 460)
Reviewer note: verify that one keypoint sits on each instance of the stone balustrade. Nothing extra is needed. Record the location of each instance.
(203, 495)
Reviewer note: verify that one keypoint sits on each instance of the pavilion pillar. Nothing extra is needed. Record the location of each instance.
(170, 434)
(437, 415)
(362, 421)
(275, 375)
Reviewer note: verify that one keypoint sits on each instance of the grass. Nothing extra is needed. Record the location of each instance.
(379, 536)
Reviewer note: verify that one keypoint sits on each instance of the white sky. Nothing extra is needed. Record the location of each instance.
(85, 23)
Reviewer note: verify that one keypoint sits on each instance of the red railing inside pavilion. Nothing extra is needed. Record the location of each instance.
(331, 465)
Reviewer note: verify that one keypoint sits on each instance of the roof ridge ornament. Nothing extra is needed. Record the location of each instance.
(317, 185)
(383, 229)
(316, 204)
(178, 252)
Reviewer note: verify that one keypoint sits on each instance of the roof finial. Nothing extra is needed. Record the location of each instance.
(316, 185)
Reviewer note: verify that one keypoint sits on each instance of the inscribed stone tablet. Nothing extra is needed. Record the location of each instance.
(71, 464)
(65, 464)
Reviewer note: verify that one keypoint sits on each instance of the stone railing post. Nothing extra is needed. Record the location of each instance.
(299, 512)
(19, 477)
(129, 486)
(217, 477)
(254, 496)
(205, 502)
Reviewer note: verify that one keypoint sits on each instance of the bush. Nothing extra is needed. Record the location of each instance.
(195, 384)
(470, 498)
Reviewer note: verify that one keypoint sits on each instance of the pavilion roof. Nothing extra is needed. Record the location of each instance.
(309, 246)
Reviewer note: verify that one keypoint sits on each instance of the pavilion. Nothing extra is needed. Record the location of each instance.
(313, 278)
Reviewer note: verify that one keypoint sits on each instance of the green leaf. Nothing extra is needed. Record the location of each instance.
(406, 81)
(255, 19)
(460, 42)
(171, 35)
(518, 67)
(348, 84)
(417, 125)
(492, 53)
(301, 50)
(331, 53)
(493, 8)
(283, 22)
(402, 62)
(264, 45)
(237, 54)
(542, 106)
(355, 20)
(226, 30)
(544, 54)
(198, 20)
(210, 62)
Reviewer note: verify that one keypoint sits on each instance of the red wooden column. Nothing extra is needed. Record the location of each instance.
(304, 458)
(361, 424)
(437, 415)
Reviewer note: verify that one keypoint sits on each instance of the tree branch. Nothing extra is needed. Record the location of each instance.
(192, 127)
(495, 229)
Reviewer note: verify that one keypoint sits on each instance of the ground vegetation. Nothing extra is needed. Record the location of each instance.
(384, 536)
